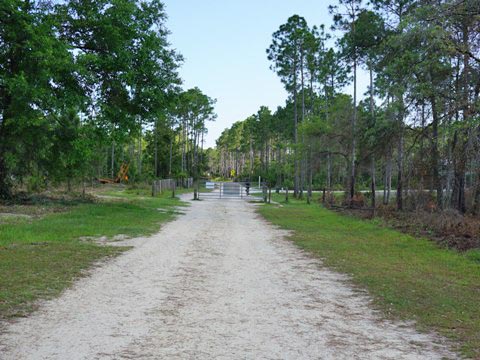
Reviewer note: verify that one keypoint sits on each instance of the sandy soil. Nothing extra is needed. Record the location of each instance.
(216, 283)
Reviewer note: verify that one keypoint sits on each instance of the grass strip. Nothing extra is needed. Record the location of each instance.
(408, 278)
(40, 257)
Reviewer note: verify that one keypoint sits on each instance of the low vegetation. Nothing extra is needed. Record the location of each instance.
(46, 243)
(408, 277)
(448, 228)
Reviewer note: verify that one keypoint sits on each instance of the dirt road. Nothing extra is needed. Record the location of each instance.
(216, 283)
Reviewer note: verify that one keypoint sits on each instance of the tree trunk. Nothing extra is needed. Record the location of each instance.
(295, 135)
(201, 148)
(400, 156)
(267, 155)
(329, 172)
(459, 165)
(304, 160)
(113, 160)
(326, 100)
(389, 183)
(5, 183)
(279, 173)
(372, 113)
(385, 186)
(476, 198)
(400, 175)
(354, 125)
(155, 172)
(374, 189)
(310, 172)
(302, 176)
(422, 170)
(460, 136)
(170, 157)
(184, 146)
(140, 155)
(435, 155)
(449, 181)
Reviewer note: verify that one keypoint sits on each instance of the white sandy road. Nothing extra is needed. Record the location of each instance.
(216, 283)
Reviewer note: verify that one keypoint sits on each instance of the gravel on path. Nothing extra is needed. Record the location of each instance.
(218, 282)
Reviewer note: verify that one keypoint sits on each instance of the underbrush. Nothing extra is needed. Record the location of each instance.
(448, 228)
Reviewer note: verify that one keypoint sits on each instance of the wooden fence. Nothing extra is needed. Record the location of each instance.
(158, 186)
(185, 183)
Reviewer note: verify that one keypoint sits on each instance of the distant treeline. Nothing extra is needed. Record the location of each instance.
(418, 129)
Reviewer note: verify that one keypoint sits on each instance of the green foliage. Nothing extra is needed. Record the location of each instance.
(192, 111)
(287, 48)
(84, 79)
(38, 79)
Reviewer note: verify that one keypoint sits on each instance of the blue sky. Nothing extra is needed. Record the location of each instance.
(224, 43)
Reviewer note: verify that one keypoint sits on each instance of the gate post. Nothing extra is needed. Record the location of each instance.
(196, 189)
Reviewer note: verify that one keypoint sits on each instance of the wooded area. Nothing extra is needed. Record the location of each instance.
(416, 136)
(87, 86)
(376, 254)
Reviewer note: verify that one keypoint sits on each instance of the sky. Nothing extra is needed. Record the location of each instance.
(224, 44)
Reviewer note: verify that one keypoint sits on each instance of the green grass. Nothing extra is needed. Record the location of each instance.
(40, 257)
(408, 278)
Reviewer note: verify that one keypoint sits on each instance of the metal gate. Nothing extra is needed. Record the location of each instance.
(228, 190)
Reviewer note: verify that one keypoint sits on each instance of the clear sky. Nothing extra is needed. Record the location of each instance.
(224, 43)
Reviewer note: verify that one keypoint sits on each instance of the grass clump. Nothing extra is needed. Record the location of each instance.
(408, 277)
